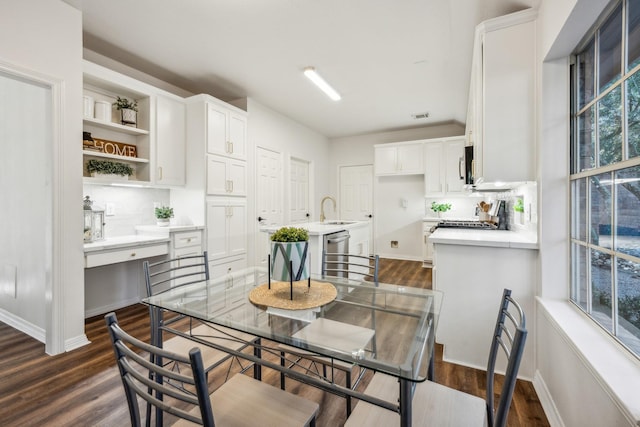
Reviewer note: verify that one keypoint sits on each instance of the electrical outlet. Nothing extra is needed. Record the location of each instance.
(110, 209)
(394, 244)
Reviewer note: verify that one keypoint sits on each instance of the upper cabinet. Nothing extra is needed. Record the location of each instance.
(444, 166)
(150, 143)
(226, 131)
(501, 114)
(403, 158)
(170, 141)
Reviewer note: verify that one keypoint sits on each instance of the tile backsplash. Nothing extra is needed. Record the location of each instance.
(130, 206)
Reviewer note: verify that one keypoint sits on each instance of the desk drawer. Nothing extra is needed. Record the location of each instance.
(95, 259)
(186, 239)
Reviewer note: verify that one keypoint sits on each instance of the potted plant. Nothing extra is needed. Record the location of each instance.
(163, 214)
(438, 208)
(290, 244)
(128, 111)
(109, 169)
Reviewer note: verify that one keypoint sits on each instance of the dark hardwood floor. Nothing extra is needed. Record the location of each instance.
(82, 387)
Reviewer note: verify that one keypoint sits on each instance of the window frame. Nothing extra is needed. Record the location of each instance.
(576, 174)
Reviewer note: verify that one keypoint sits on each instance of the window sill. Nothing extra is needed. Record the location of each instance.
(616, 369)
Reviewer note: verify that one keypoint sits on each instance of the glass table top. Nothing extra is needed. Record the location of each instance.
(385, 327)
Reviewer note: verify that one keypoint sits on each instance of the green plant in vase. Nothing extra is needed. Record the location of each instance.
(163, 215)
(128, 111)
(290, 251)
(107, 167)
(438, 208)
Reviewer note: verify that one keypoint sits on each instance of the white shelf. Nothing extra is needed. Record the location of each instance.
(114, 156)
(115, 126)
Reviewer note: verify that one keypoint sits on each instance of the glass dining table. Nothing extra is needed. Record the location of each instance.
(388, 328)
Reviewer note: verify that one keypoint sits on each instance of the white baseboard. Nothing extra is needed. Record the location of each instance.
(400, 257)
(111, 307)
(22, 325)
(548, 405)
(77, 342)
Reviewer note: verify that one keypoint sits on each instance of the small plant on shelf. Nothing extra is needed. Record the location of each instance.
(440, 207)
(125, 104)
(107, 167)
(290, 234)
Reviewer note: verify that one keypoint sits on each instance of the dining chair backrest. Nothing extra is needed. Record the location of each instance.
(350, 266)
(509, 336)
(168, 274)
(142, 378)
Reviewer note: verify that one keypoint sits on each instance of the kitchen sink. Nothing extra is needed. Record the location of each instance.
(339, 222)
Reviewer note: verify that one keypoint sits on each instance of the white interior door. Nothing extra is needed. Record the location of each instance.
(299, 190)
(268, 197)
(356, 196)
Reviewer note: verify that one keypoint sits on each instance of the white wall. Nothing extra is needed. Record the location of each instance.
(572, 391)
(268, 128)
(391, 220)
(46, 37)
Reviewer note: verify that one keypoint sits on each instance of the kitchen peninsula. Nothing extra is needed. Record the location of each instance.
(358, 241)
(472, 267)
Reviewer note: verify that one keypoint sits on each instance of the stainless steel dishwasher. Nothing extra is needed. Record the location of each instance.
(337, 243)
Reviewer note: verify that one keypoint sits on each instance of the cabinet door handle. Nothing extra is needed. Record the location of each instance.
(231, 186)
(133, 254)
(231, 145)
(460, 160)
(227, 187)
(160, 172)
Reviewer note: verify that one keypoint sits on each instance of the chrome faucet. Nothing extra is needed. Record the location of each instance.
(322, 217)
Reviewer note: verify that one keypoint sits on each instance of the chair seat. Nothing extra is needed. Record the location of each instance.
(243, 401)
(434, 405)
(338, 364)
(180, 345)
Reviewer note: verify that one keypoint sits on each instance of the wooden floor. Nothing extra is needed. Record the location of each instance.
(82, 388)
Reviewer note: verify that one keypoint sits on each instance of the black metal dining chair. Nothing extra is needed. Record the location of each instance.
(260, 403)
(437, 405)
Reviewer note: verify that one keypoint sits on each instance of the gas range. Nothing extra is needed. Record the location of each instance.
(478, 225)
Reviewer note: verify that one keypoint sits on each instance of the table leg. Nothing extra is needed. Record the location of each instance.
(257, 368)
(406, 398)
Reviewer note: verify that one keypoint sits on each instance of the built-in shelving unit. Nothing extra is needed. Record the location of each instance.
(103, 85)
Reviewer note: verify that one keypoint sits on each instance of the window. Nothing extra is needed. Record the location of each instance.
(605, 174)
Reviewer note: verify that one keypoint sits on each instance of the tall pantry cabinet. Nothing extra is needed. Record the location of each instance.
(216, 179)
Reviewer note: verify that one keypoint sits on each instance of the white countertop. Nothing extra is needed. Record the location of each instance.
(319, 228)
(491, 238)
(154, 229)
(124, 242)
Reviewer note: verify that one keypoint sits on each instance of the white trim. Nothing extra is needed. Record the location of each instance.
(76, 342)
(111, 307)
(613, 368)
(22, 325)
(54, 290)
(548, 405)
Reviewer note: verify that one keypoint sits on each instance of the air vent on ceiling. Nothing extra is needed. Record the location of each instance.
(418, 116)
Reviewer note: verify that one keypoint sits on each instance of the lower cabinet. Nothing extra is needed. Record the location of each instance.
(226, 227)
(230, 291)
(427, 247)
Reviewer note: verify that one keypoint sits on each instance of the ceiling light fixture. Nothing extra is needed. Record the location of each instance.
(312, 75)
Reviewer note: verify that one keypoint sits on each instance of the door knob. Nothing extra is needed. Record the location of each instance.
(260, 219)
(369, 216)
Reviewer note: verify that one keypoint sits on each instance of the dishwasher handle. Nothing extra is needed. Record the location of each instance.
(338, 239)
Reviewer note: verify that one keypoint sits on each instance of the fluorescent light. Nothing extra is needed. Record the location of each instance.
(312, 75)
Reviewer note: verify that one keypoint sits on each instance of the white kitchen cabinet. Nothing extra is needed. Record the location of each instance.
(427, 246)
(226, 227)
(170, 141)
(226, 131)
(226, 176)
(230, 289)
(444, 166)
(502, 99)
(404, 158)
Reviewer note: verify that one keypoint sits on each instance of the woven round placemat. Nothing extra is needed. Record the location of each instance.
(304, 297)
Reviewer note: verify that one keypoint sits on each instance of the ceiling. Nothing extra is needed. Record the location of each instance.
(388, 59)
